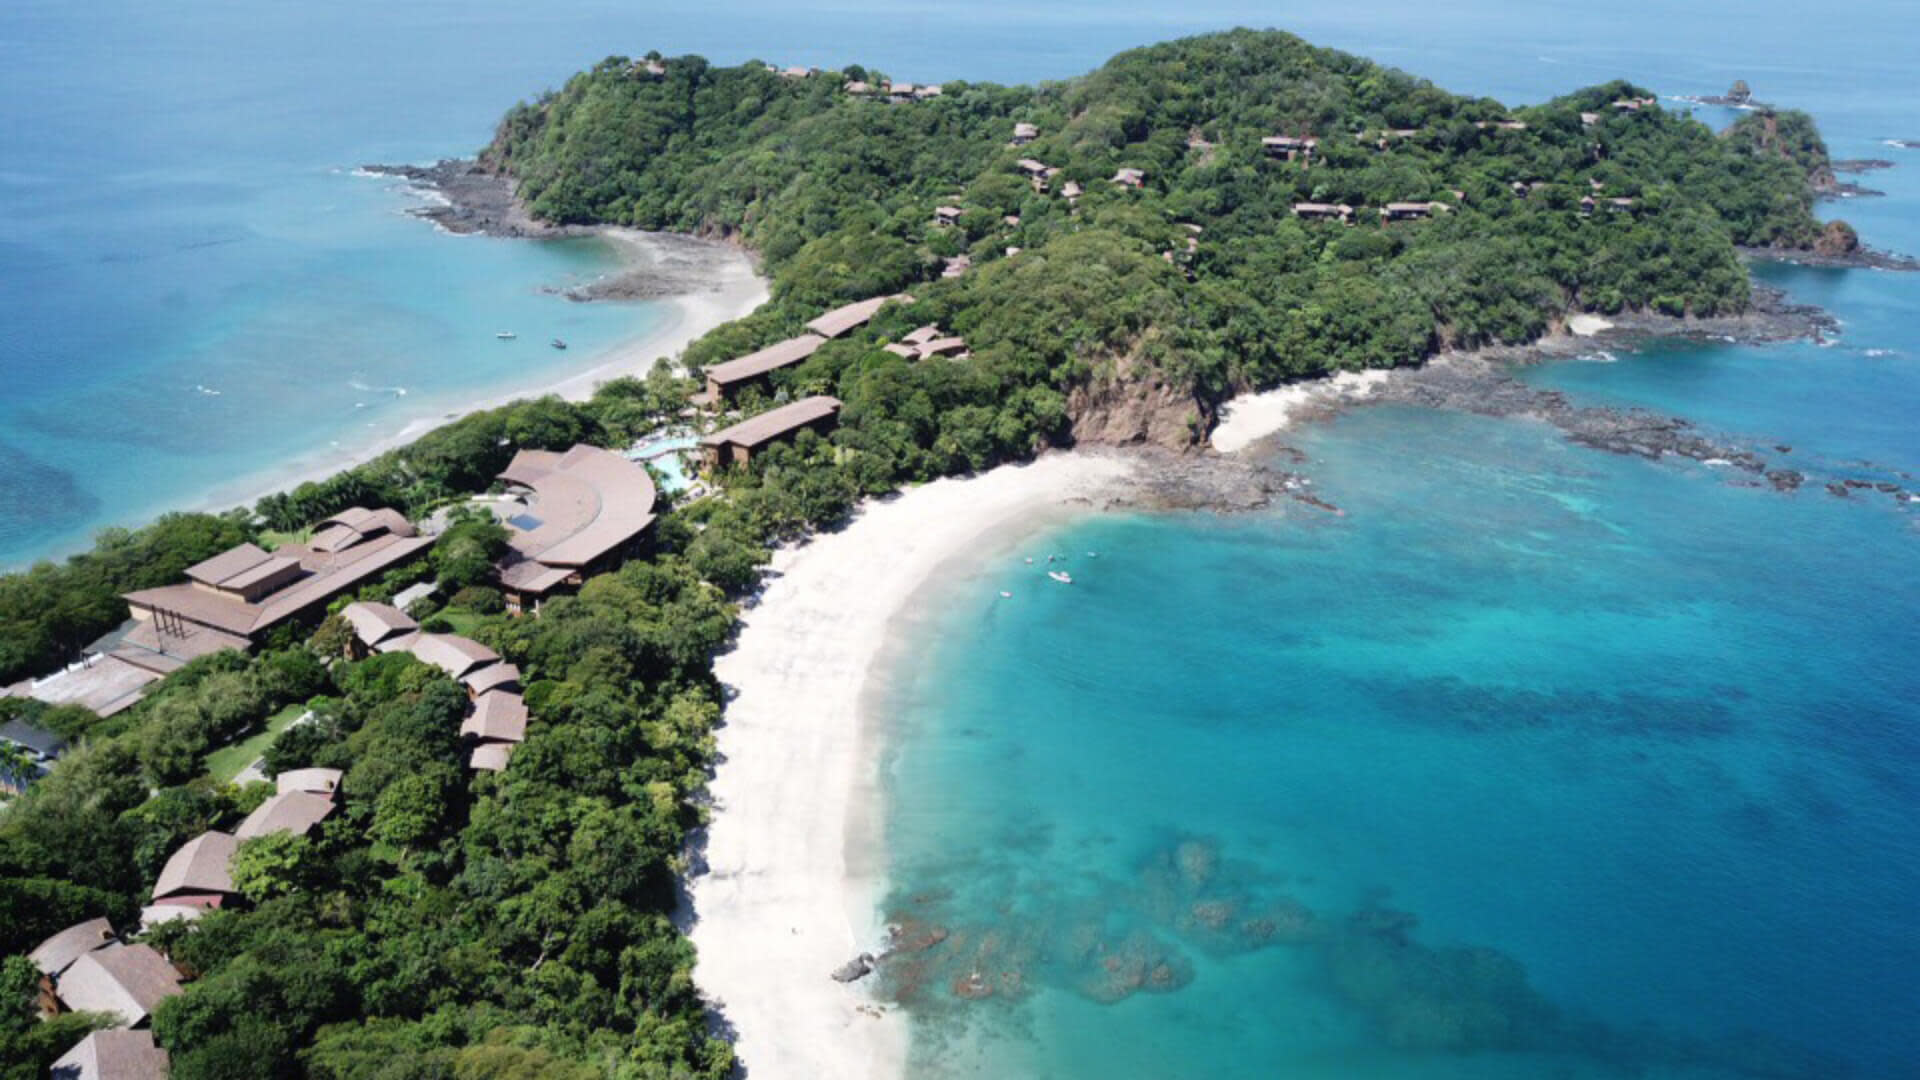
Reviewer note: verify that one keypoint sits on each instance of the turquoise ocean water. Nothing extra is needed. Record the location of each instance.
(1538, 762)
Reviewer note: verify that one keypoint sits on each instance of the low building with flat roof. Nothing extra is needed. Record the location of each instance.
(584, 510)
(126, 982)
(737, 374)
(737, 445)
(114, 1055)
(1312, 211)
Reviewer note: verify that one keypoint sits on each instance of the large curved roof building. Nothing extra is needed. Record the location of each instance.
(580, 512)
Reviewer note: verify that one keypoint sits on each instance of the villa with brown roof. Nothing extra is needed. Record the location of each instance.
(725, 379)
(57, 953)
(114, 1055)
(584, 510)
(124, 981)
(1130, 178)
(296, 812)
(375, 625)
(1024, 134)
(451, 653)
(737, 445)
(946, 215)
(197, 873)
(851, 317)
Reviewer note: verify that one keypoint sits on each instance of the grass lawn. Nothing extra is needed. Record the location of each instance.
(226, 762)
(463, 621)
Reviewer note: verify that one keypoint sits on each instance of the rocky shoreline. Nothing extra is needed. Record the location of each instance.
(1862, 258)
(478, 201)
(1483, 382)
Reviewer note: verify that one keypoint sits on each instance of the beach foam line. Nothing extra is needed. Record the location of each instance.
(793, 874)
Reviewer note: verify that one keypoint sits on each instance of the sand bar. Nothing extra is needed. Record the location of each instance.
(793, 882)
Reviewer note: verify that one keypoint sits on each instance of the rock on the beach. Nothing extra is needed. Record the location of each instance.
(855, 969)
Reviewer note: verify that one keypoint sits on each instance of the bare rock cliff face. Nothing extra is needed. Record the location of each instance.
(1135, 405)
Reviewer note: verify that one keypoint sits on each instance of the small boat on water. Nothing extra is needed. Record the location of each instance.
(1005, 595)
(1061, 576)
(506, 335)
(557, 343)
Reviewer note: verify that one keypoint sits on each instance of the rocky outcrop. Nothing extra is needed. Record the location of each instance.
(1132, 404)
(1837, 239)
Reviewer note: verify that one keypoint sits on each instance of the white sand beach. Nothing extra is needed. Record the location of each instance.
(736, 289)
(793, 879)
(1246, 420)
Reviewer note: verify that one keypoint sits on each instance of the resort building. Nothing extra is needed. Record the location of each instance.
(232, 599)
(196, 874)
(1289, 147)
(925, 342)
(1312, 211)
(114, 1055)
(56, 954)
(955, 266)
(1024, 134)
(753, 368)
(1501, 125)
(126, 982)
(1411, 211)
(843, 320)
(858, 88)
(1129, 178)
(374, 625)
(1072, 191)
(737, 445)
(496, 726)
(946, 215)
(296, 812)
(582, 511)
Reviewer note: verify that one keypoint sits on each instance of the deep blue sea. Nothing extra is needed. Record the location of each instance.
(1538, 762)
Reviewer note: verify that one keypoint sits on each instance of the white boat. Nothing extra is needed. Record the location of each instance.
(505, 335)
(1005, 595)
(1061, 576)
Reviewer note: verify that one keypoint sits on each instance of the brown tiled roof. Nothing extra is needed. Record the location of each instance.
(351, 525)
(374, 623)
(499, 716)
(842, 319)
(452, 653)
(127, 981)
(313, 781)
(943, 346)
(326, 575)
(228, 564)
(772, 358)
(491, 677)
(528, 466)
(55, 954)
(199, 866)
(771, 425)
(296, 812)
(922, 335)
(898, 349)
(113, 1055)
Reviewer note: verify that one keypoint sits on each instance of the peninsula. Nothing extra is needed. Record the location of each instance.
(962, 276)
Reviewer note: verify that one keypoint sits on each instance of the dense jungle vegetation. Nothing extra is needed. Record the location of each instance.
(449, 925)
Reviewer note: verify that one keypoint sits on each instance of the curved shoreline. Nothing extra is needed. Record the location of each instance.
(792, 878)
(736, 290)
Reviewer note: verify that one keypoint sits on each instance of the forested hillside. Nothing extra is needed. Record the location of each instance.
(837, 190)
